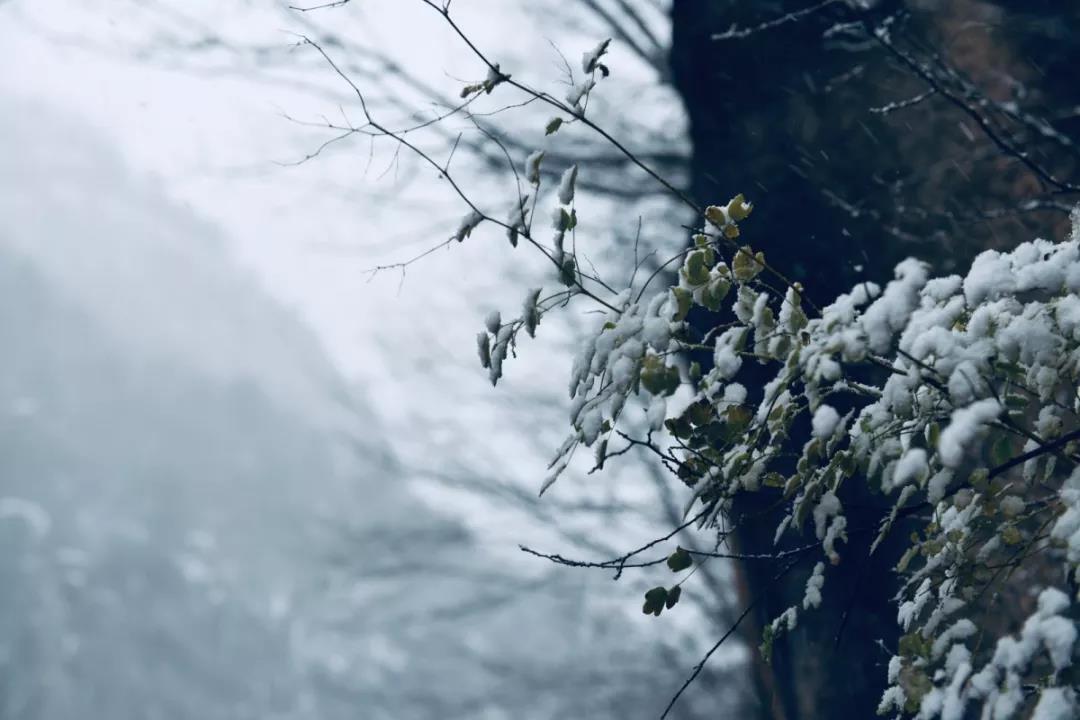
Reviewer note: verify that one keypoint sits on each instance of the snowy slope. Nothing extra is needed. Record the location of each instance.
(151, 273)
(174, 451)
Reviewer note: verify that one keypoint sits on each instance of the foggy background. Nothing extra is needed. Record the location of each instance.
(241, 476)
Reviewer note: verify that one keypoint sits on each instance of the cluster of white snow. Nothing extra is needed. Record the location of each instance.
(966, 363)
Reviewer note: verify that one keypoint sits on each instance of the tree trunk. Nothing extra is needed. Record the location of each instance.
(841, 195)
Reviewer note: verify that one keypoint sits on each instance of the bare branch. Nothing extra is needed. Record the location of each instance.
(737, 33)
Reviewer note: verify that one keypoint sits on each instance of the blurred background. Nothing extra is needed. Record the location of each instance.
(241, 476)
(250, 466)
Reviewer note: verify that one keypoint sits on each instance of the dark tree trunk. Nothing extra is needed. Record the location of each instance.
(763, 122)
(841, 194)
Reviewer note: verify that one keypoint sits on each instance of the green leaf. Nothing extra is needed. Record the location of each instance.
(483, 347)
(679, 561)
(738, 208)
(1016, 402)
(652, 381)
(654, 601)
(774, 479)
(847, 464)
(914, 645)
(715, 293)
(1001, 450)
(1010, 535)
(979, 478)
(743, 265)
(697, 273)
(916, 685)
(933, 433)
(562, 220)
(671, 380)
(566, 273)
(553, 125)
(683, 300)
(673, 597)
(679, 427)
(768, 635)
(700, 413)
(716, 215)
(738, 418)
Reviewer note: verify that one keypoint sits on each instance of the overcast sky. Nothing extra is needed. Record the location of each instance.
(215, 135)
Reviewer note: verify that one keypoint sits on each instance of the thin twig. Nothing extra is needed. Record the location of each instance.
(737, 33)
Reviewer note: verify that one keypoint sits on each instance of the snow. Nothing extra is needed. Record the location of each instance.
(1057, 633)
(566, 185)
(812, 596)
(889, 313)
(578, 92)
(990, 277)
(965, 424)
(656, 332)
(824, 423)
(726, 359)
(895, 665)
(787, 620)
(467, 225)
(1056, 703)
(734, 394)
(1068, 316)
(1030, 337)
(966, 384)
(532, 166)
(892, 699)
(657, 413)
(1067, 527)
(590, 426)
(1033, 266)
(912, 466)
(828, 506)
(1047, 629)
(962, 629)
(1012, 505)
(910, 610)
(837, 531)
